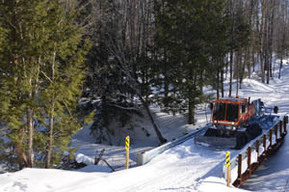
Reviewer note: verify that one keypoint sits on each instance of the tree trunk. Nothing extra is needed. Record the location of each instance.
(50, 141)
(254, 60)
(231, 48)
(244, 62)
(281, 65)
(191, 118)
(166, 92)
(261, 43)
(217, 84)
(30, 154)
(51, 117)
(272, 16)
(262, 67)
(166, 83)
(159, 135)
(250, 61)
(222, 82)
(21, 157)
(266, 48)
(231, 72)
(227, 65)
(237, 71)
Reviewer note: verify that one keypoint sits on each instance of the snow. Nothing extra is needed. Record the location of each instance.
(186, 167)
(254, 156)
(234, 173)
(244, 164)
(171, 126)
(81, 158)
(273, 139)
(174, 170)
(261, 149)
(216, 185)
(273, 175)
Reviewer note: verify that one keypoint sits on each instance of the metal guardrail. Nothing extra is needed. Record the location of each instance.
(145, 157)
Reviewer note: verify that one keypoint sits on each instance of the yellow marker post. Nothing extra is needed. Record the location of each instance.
(228, 164)
(127, 152)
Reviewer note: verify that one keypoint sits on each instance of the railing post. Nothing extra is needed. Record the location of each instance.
(264, 143)
(249, 159)
(240, 177)
(285, 122)
(280, 130)
(280, 127)
(257, 148)
(270, 137)
(276, 132)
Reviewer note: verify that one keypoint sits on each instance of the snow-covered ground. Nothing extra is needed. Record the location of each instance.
(171, 126)
(187, 167)
(182, 168)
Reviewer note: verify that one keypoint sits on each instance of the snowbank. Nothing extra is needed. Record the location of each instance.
(214, 184)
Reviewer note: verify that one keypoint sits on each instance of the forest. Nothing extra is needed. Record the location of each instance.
(66, 63)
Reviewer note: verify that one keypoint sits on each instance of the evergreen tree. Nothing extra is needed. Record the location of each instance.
(42, 73)
(20, 75)
(120, 67)
(106, 82)
(63, 81)
(185, 35)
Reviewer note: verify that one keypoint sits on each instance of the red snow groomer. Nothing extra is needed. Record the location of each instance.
(235, 121)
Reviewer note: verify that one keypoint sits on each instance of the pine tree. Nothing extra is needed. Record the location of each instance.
(64, 77)
(42, 73)
(20, 76)
(185, 37)
(119, 65)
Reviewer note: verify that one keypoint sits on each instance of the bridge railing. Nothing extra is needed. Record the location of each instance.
(250, 157)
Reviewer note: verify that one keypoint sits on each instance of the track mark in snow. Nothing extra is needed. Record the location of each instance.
(257, 86)
(14, 186)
